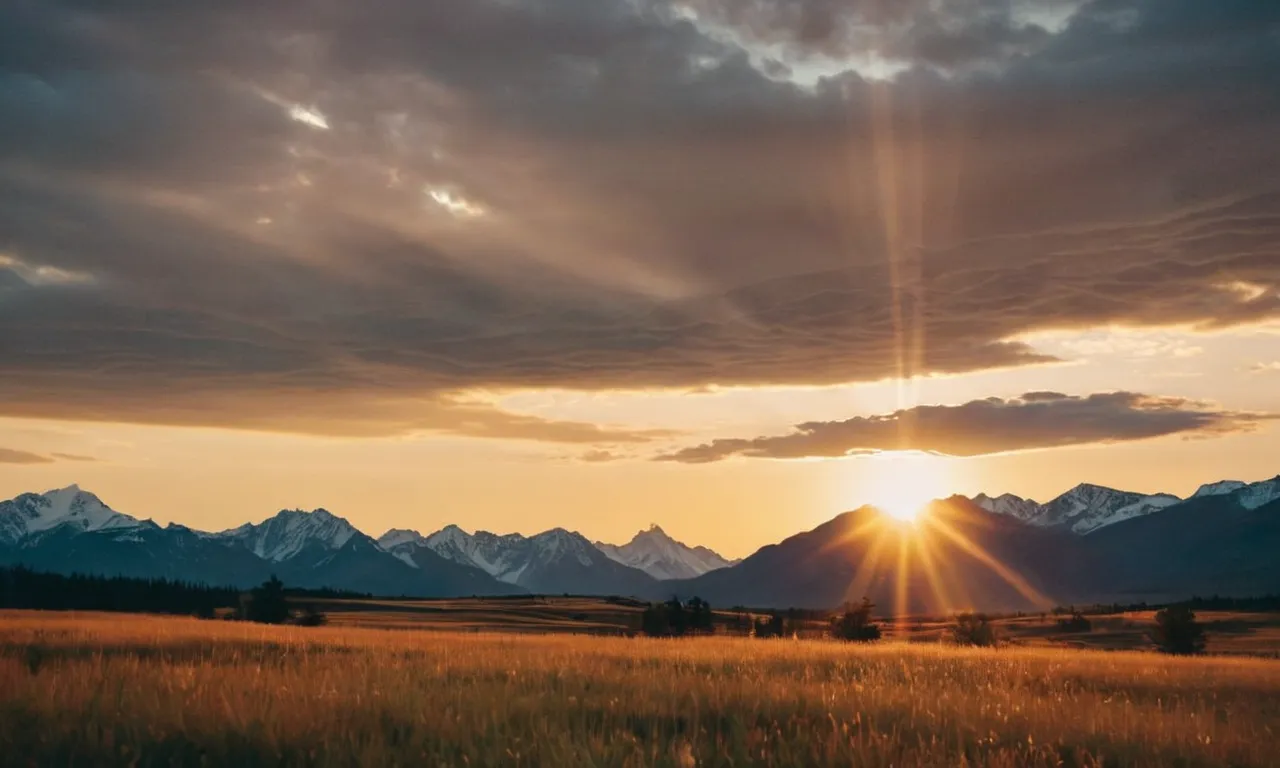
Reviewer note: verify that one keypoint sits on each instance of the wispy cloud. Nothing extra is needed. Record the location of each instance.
(600, 457)
(72, 457)
(10, 456)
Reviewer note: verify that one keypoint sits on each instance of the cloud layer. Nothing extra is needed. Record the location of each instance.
(335, 218)
(992, 425)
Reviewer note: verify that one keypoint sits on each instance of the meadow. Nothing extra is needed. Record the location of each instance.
(101, 689)
(1229, 632)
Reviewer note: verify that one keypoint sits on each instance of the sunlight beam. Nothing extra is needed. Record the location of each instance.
(978, 553)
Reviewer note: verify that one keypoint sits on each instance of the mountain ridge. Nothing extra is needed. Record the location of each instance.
(1091, 542)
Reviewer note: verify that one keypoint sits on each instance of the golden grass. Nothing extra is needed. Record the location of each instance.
(94, 689)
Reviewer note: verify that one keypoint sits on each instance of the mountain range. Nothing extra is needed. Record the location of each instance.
(1091, 543)
(72, 530)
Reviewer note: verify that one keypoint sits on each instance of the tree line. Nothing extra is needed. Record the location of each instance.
(675, 618)
(271, 603)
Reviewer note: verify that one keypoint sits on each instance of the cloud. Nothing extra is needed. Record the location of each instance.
(9, 456)
(1271, 367)
(600, 457)
(72, 457)
(318, 217)
(1033, 421)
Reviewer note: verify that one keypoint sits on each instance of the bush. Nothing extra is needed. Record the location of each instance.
(1178, 632)
(854, 624)
(974, 629)
(310, 617)
(1077, 623)
(773, 626)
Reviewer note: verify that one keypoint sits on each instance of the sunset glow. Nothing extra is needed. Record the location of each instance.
(902, 484)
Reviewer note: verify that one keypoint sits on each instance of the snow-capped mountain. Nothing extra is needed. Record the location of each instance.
(397, 537)
(1083, 509)
(1220, 488)
(1249, 495)
(291, 531)
(662, 557)
(1222, 539)
(1088, 508)
(33, 513)
(1009, 504)
(550, 562)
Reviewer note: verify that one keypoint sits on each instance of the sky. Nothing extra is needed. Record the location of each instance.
(728, 266)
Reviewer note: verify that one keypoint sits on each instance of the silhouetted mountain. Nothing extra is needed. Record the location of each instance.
(145, 551)
(864, 553)
(1209, 544)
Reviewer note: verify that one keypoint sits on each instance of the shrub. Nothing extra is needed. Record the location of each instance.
(1177, 631)
(854, 623)
(1077, 623)
(974, 629)
(310, 617)
(773, 626)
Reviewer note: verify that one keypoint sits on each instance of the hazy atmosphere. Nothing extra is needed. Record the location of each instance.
(731, 266)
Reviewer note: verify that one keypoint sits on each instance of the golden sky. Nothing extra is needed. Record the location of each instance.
(728, 267)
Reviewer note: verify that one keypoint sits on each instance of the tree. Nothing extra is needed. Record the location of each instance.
(677, 619)
(267, 604)
(1177, 631)
(854, 624)
(700, 620)
(974, 629)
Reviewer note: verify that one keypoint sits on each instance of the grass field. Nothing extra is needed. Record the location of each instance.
(97, 689)
(1230, 632)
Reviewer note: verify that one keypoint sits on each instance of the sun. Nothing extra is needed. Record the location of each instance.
(902, 484)
(904, 507)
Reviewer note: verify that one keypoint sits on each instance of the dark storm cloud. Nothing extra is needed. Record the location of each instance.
(334, 217)
(1034, 420)
(956, 33)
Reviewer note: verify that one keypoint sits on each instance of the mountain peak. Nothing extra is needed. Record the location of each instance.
(1090, 488)
(70, 506)
(1220, 488)
(290, 531)
(400, 536)
(656, 553)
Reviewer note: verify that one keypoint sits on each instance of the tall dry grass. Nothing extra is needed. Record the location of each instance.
(101, 689)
